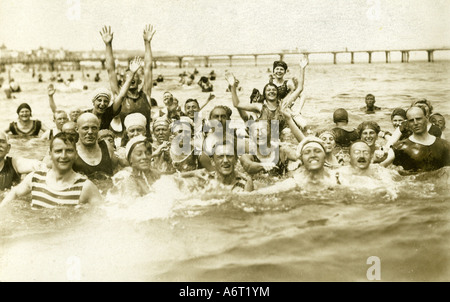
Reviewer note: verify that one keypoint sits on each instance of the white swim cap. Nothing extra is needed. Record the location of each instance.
(135, 119)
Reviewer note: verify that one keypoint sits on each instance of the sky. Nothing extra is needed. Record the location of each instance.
(227, 26)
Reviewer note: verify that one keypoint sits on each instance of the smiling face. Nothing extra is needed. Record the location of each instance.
(24, 114)
(271, 92)
(63, 155)
(438, 120)
(168, 99)
(360, 155)
(140, 157)
(191, 108)
(369, 136)
(224, 159)
(397, 120)
(101, 104)
(162, 133)
(313, 156)
(279, 72)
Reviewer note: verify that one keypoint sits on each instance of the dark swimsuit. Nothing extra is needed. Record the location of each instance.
(283, 89)
(34, 131)
(8, 176)
(105, 165)
(267, 114)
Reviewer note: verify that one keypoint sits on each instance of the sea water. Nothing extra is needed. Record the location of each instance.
(218, 236)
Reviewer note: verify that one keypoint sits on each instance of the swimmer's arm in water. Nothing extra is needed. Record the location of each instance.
(25, 165)
(51, 101)
(90, 193)
(233, 84)
(107, 36)
(135, 64)
(393, 138)
(249, 182)
(289, 153)
(22, 189)
(249, 165)
(389, 159)
(296, 131)
(148, 68)
(283, 186)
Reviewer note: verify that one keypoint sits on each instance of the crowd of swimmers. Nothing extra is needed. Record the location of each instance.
(124, 138)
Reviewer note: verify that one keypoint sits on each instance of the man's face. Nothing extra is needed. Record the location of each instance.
(167, 99)
(439, 121)
(88, 131)
(220, 115)
(369, 136)
(191, 108)
(60, 119)
(162, 133)
(260, 133)
(279, 72)
(417, 121)
(224, 159)
(4, 146)
(360, 156)
(397, 120)
(135, 130)
(313, 157)
(74, 114)
(63, 155)
(370, 101)
(101, 104)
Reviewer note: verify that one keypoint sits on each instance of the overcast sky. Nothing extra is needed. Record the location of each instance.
(227, 26)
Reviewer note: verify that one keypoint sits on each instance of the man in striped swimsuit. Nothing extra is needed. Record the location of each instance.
(59, 186)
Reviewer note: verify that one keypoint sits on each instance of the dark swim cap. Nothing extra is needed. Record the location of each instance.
(398, 111)
(23, 105)
(280, 63)
(370, 125)
(340, 115)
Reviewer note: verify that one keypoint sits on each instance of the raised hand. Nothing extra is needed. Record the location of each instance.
(210, 97)
(148, 32)
(135, 64)
(230, 78)
(51, 90)
(107, 34)
(304, 61)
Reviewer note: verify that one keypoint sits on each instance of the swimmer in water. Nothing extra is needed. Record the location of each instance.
(25, 126)
(135, 125)
(161, 159)
(137, 179)
(345, 134)
(59, 118)
(11, 168)
(170, 111)
(369, 132)
(370, 107)
(59, 186)
(421, 151)
(329, 141)
(438, 120)
(182, 152)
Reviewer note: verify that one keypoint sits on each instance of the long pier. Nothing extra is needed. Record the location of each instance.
(77, 58)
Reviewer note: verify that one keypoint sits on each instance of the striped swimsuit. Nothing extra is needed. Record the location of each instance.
(42, 196)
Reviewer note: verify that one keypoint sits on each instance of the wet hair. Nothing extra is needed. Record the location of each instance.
(423, 102)
(23, 105)
(280, 63)
(370, 125)
(370, 95)
(340, 115)
(59, 111)
(226, 108)
(67, 138)
(421, 108)
(400, 112)
(267, 85)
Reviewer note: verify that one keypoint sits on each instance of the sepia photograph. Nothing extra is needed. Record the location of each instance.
(206, 141)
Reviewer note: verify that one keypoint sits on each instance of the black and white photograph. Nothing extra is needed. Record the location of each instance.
(194, 142)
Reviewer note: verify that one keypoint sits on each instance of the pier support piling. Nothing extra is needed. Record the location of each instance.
(430, 55)
(388, 56)
(370, 56)
(256, 60)
(180, 62)
(231, 60)
(334, 57)
(352, 57)
(206, 61)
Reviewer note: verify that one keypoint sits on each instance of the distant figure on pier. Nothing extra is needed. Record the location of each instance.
(212, 75)
(59, 79)
(71, 79)
(160, 78)
(97, 77)
(40, 79)
(370, 105)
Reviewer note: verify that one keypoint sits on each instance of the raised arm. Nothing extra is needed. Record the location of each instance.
(290, 98)
(148, 67)
(107, 36)
(51, 101)
(135, 64)
(389, 159)
(296, 131)
(210, 98)
(233, 84)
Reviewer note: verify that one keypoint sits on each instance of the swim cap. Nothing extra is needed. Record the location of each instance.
(104, 133)
(340, 115)
(280, 63)
(161, 121)
(331, 132)
(306, 141)
(14, 86)
(101, 91)
(23, 105)
(368, 125)
(400, 112)
(132, 143)
(135, 119)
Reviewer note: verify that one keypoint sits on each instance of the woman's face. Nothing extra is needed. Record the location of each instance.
(271, 93)
(24, 114)
(133, 131)
(313, 157)
(397, 120)
(328, 141)
(279, 72)
(369, 136)
(140, 158)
